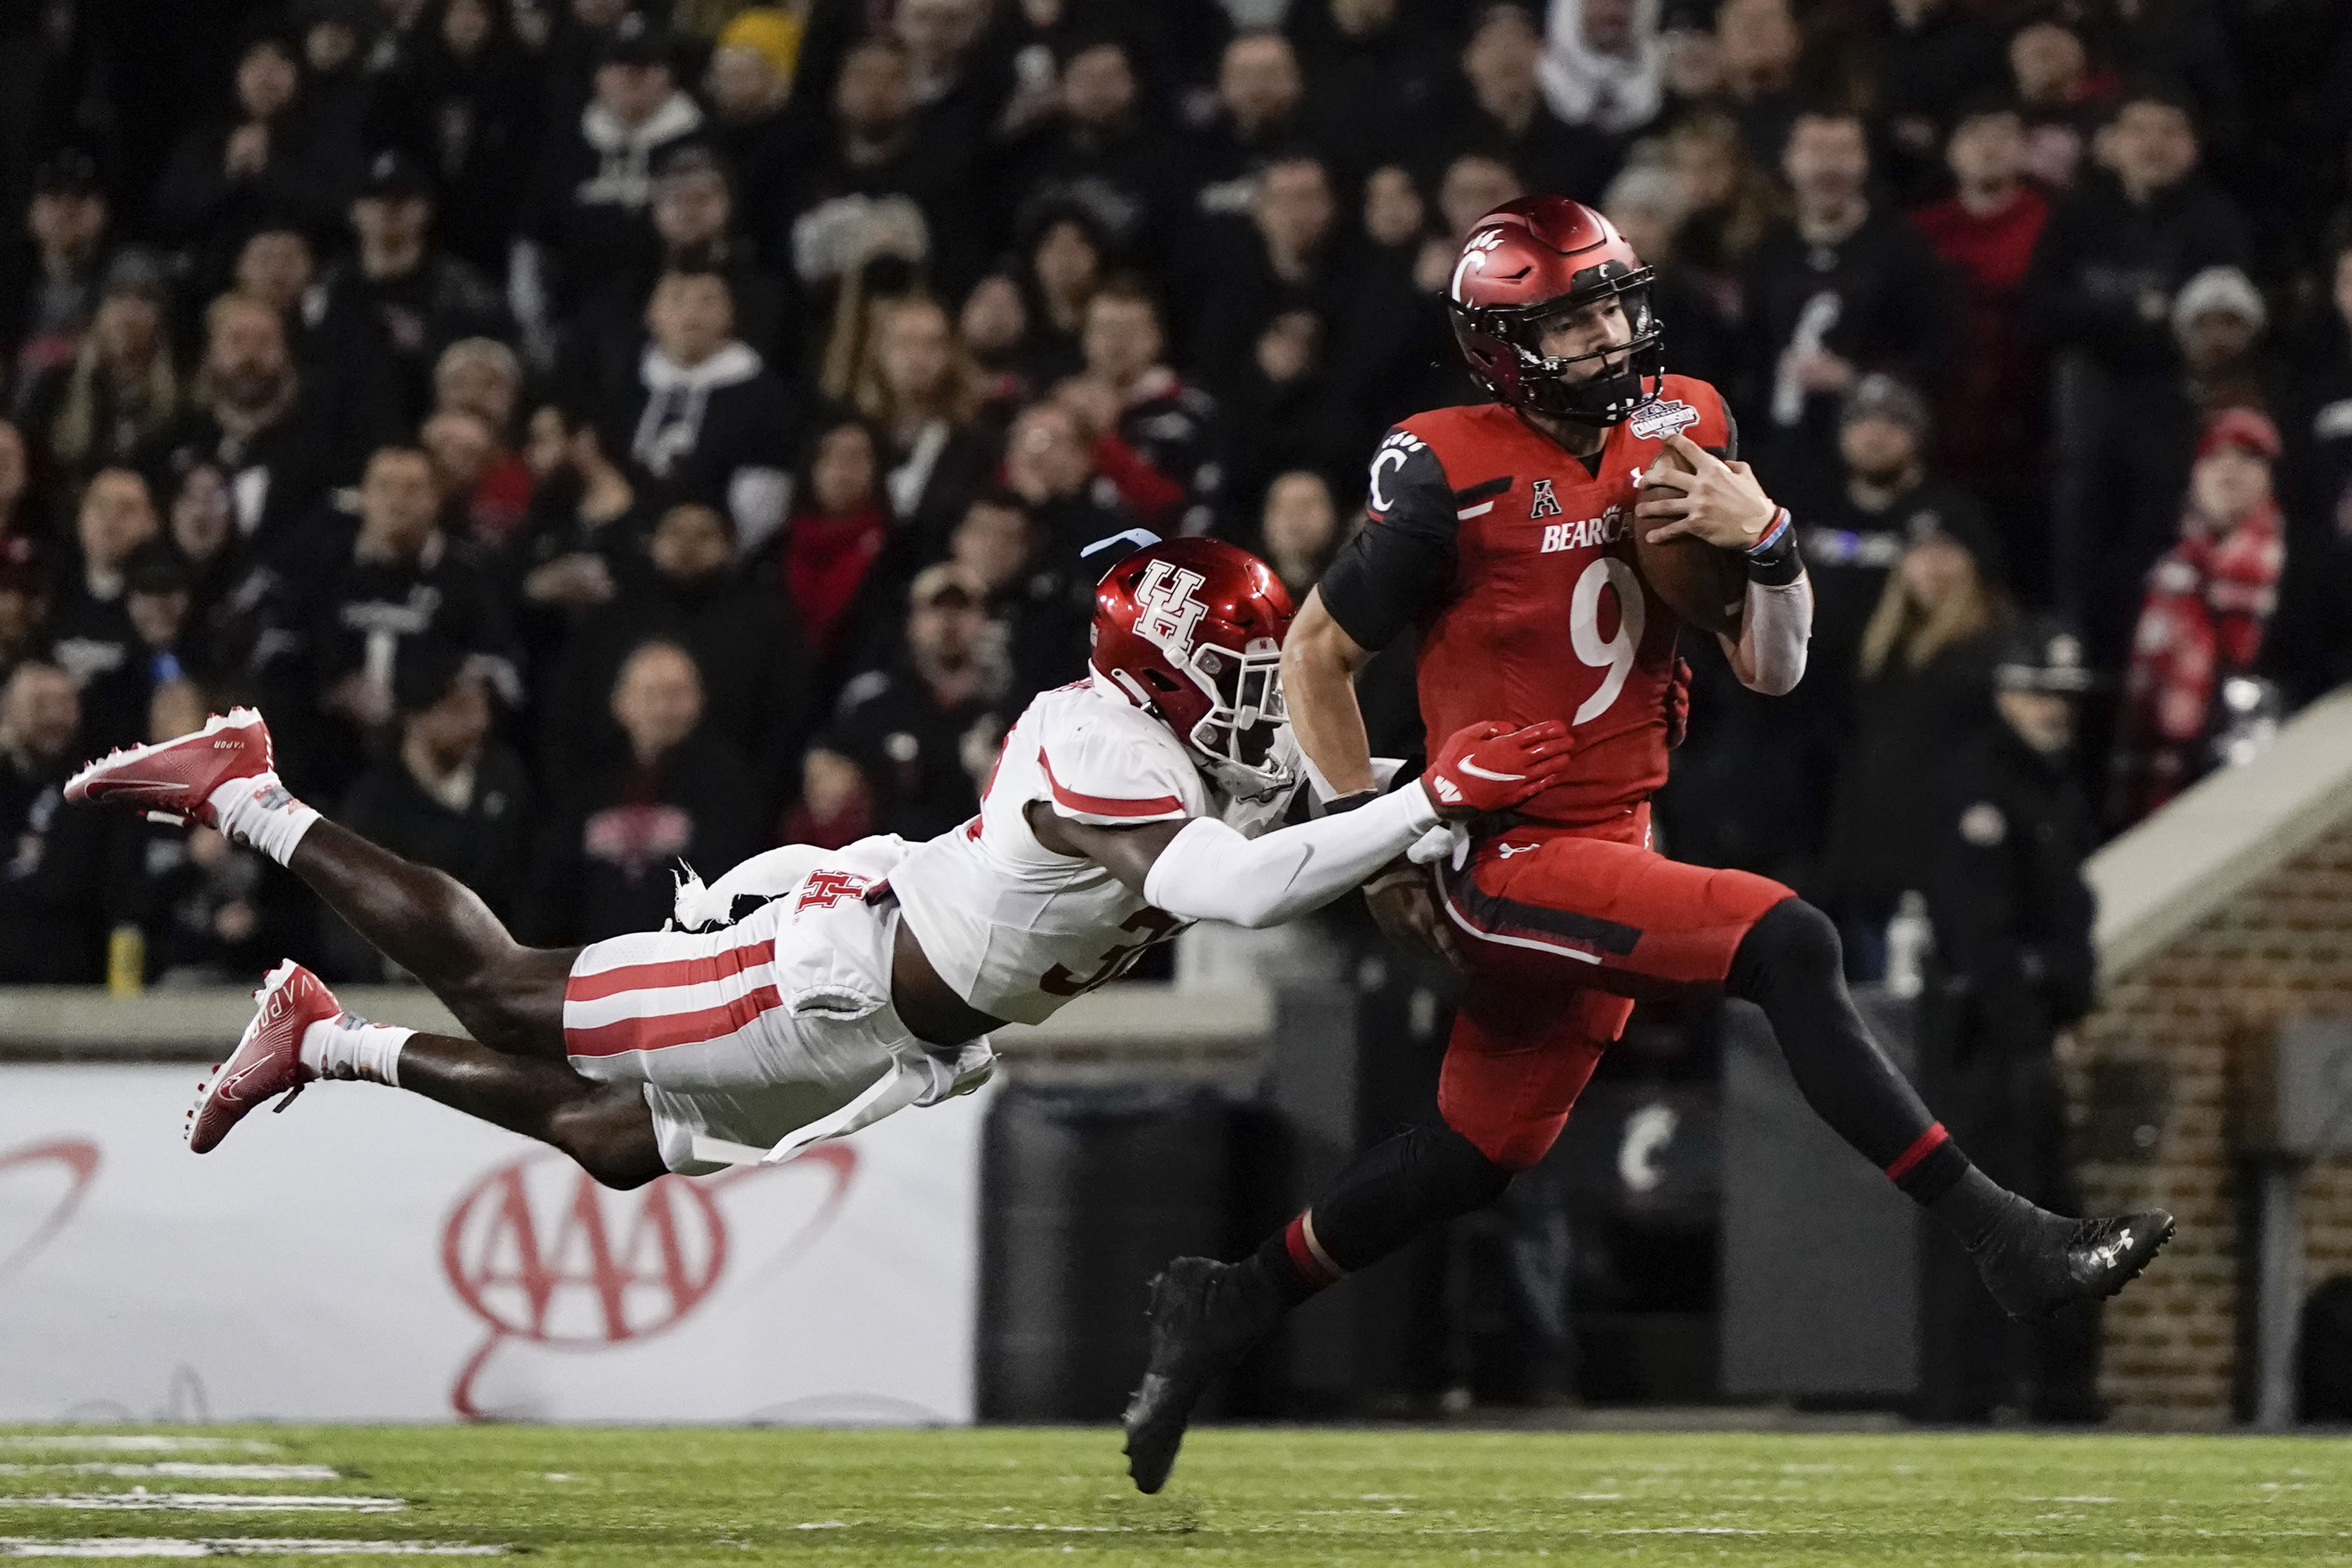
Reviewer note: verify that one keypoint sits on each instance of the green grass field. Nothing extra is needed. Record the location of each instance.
(1241, 1495)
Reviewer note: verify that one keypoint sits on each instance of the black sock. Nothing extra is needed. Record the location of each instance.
(1390, 1194)
(1976, 1207)
(1791, 965)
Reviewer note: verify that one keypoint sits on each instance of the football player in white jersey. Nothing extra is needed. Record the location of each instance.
(861, 980)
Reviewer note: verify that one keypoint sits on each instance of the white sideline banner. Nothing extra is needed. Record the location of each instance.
(371, 1256)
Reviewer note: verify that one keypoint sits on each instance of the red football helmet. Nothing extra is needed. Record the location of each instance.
(1191, 632)
(1528, 262)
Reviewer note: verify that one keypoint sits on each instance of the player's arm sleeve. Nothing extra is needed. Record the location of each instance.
(1099, 774)
(1775, 625)
(1401, 561)
(1208, 872)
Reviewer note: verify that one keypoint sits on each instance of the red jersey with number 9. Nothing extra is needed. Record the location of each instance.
(1515, 560)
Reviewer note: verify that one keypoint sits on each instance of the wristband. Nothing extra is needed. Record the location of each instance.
(1774, 561)
(1774, 533)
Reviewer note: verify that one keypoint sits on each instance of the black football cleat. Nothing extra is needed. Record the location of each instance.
(2036, 1261)
(1205, 1316)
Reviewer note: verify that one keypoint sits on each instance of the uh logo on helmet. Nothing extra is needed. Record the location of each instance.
(1527, 267)
(1191, 630)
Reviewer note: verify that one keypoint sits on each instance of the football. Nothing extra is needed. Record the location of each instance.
(1704, 585)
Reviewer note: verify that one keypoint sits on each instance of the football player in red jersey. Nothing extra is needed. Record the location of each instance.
(1504, 532)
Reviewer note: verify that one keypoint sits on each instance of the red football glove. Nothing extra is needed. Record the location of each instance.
(1678, 686)
(1490, 766)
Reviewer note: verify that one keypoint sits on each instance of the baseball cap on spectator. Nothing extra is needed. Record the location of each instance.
(2042, 654)
(69, 171)
(392, 176)
(2223, 290)
(1970, 532)
(768, 31)
(943, 582)
(1881, 396)
(635, 43)
(155, 567)
(693, 158)
(2246, 429)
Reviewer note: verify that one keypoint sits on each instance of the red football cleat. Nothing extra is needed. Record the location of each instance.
(173, 780)
(268, 1059)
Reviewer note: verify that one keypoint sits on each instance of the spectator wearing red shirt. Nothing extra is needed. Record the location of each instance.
(1155, 437)
(837, 531)
(1992, 418)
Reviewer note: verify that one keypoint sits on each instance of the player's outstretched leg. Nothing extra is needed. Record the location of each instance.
(300, 1034)
(2034, 1261)
(509, 996)
(1206, 1316)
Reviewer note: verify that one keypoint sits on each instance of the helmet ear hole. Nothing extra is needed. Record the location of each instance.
(1159, 681)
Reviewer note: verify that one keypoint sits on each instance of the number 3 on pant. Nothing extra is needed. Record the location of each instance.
(1615, 655)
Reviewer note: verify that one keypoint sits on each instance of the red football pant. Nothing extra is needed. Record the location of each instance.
(1563, 928)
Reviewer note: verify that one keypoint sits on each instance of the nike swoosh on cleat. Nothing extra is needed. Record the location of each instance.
(1476, 771)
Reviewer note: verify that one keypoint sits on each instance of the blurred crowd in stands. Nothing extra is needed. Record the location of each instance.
(598, 433)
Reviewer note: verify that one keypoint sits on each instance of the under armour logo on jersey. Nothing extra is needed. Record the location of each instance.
(1168, 607)
(1544, 503)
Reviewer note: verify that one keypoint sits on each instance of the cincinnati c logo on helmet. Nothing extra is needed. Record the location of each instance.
(1474, 250)
(1167, 608)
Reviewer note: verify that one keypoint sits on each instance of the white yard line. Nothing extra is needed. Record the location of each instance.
(132, 1443)
(235, 1546)
(140, 1500)
(181, 1470)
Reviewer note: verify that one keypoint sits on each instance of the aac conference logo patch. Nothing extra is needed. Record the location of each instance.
(545, 1255)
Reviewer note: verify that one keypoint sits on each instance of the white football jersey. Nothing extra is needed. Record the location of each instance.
(1017, 930)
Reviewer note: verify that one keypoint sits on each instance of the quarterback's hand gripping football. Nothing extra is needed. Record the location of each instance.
(1489, 767)
(1709, 499)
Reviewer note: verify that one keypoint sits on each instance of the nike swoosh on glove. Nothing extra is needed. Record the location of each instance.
(1489, 767)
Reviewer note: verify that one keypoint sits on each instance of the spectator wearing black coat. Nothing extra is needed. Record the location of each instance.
(924, 732)
(466, 100)
(1926, 687)
(1291, 258)
(2310, 650)
(1504, 113)
(283, 444)
(396, 303)
(268, 155)
(2101, 294)
(757, 122)
(1840, 289)
(52, 886)
(925, 396)
(91, 623)
(49, 278)
(452, 795)
(1104, 151)
(1042, 607)
(754, 673)
(167, 645)
(1930, 60)
(702, 417)
(1260, 111)
(676, 792)
(693, 216)
(586, 218)
(349, 599)
(2011, 966)
(1883, 497)
(121, 388)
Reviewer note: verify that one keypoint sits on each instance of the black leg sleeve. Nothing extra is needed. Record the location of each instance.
(1789, 964)
(1387, 1196)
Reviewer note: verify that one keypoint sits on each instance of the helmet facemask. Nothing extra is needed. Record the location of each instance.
(1236, 735)
(1583, 387)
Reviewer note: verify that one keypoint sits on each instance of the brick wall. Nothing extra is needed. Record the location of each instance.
(2279, 948)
